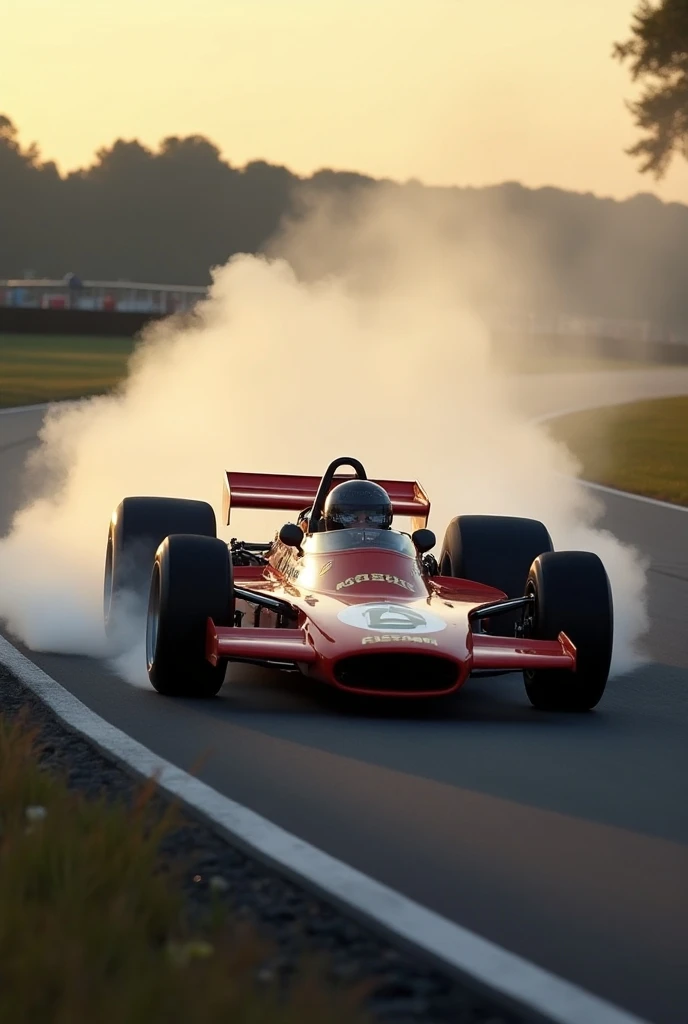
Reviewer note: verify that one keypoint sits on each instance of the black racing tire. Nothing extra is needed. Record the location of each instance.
(572, 595)
(137, 528)
(192, 581)
(497, 551)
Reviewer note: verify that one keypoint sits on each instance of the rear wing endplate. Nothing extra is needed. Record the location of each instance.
(281, 491)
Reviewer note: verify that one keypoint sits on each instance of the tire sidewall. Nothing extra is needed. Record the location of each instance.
(572, 594)
(497, 551)
(191, 582)
(137, 528)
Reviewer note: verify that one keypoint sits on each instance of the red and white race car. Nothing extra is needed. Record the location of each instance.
(346, 599)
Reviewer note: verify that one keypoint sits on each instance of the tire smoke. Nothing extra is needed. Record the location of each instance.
(356, 334)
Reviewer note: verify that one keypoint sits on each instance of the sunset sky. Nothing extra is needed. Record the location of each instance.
(447, 91)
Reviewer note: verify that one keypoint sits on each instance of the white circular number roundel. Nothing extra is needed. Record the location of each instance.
(391, 618)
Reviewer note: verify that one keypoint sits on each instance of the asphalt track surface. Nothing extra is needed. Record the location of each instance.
(563, 839)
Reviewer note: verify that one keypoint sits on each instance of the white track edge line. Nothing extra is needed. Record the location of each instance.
(636, 497)
(25, 408)
(474, 955)
(537, 419)
(491, 966)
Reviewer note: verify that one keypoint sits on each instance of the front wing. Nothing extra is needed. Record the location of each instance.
(292, 648)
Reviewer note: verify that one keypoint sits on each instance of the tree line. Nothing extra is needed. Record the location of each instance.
(168, 215)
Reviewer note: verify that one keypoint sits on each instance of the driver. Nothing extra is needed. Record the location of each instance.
(358, 503)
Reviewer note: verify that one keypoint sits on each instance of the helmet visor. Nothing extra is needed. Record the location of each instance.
(376, 518)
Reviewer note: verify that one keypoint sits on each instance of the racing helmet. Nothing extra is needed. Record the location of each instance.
(358, 503)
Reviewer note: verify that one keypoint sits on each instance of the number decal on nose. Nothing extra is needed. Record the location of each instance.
(391, 618)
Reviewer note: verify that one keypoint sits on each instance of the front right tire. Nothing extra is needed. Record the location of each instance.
(137, 527)
(497, 551)
(192, 581)
(571, 594)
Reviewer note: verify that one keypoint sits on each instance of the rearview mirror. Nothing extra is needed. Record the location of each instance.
(291, 535)
(423, 540)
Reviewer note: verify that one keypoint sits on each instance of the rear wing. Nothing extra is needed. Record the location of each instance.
(295, 493)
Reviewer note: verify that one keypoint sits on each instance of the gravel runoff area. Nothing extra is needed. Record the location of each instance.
(403, 990)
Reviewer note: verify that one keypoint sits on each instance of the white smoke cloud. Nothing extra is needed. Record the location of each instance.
(354, 337)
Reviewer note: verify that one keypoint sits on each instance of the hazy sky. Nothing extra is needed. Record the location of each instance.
(447, 91)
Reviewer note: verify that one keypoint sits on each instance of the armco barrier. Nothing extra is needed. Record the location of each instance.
(15, 320)
(545, 346)
(72, 322)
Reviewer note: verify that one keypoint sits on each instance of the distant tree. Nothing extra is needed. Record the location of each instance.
(10, 147)
(121, 160)
(658, 55)
(7, 129)
(194, 150)
(28, 197)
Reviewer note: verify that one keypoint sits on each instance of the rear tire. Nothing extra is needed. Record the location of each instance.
(137, 528)
(191, 582)
(572, 595)
(497, 551)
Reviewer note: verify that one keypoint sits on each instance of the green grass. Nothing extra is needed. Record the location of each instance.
(641, 447)
(43, 368)
(93, 925)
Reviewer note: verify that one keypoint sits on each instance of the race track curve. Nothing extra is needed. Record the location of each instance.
(563, 839)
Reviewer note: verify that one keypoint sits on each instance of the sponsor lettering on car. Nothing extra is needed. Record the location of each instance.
(388, 638)
(374, 577)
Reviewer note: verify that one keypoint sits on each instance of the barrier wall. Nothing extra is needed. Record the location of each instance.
(73, 322)
(664, 352)
(126, 325)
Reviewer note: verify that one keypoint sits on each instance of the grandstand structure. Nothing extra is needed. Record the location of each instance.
(71, 292)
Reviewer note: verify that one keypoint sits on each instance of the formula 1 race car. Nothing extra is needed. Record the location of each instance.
(345, 599)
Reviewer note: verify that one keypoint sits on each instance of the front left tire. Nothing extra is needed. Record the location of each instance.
(191, 582)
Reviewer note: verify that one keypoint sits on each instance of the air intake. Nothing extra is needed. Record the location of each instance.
(396, 673)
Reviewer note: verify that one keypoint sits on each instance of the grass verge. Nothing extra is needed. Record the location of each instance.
(45, 368)
(641, 447)
(93, 925)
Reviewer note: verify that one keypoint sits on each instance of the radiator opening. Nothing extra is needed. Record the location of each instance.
(397, 673)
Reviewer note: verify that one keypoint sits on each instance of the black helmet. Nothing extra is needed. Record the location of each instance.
(358, 503)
